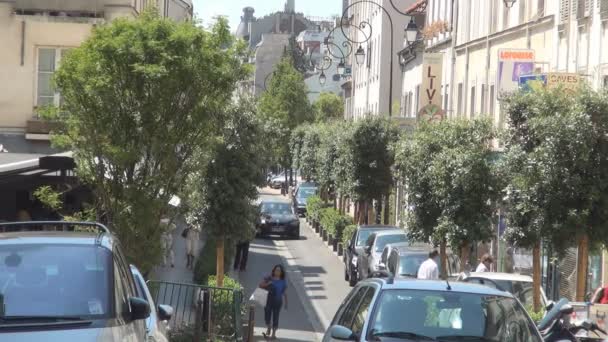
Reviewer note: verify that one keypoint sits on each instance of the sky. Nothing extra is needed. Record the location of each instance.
(233, 9)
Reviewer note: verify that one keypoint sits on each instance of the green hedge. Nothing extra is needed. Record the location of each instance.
(205, 264)
(314, 204)
(333, 222)
(536, 316)
(347, 234)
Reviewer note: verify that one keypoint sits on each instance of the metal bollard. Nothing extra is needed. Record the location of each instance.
(251, 323)
(202, 322)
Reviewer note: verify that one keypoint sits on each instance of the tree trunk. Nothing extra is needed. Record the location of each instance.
(369, 209)
(219, 265)
(356, 216)
(443, 259)
(341, 204)
(387, 207)
(581, 267)
(465, 255)
(378, 213)
(536, 277)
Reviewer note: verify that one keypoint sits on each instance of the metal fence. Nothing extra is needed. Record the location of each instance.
(211, 311)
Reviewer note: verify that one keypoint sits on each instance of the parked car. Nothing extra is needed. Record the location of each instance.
(368, 261)
(402, 260)
(301, 194)
(157, 325)
(277, 180)
(278, 218)
(429, 310)
(67, 285)
(518, 284)
(355, 248)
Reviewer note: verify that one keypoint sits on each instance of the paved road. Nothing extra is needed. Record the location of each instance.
(316, 282)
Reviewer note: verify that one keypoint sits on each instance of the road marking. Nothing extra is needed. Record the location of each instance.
(316, 316)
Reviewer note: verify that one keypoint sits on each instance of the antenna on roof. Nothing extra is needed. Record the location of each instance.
(449, 288)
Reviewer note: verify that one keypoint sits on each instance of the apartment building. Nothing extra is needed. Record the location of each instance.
(378, 29)
(34, 36)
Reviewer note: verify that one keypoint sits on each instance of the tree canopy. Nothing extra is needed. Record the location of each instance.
(142, 97)
(328, 106)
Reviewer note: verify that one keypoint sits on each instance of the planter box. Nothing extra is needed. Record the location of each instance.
(340, 249)
(334, 245)
(330, 239)
(325, 235)
(41, 126)
(316, 226)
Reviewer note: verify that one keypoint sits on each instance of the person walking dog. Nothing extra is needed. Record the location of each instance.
(276, 285)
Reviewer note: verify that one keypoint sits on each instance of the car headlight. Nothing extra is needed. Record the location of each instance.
(263, 221)
(354, 261)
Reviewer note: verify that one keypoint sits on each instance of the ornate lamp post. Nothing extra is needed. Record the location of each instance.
(509, 3)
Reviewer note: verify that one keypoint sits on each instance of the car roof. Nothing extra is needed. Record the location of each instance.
(308, 185)
(57, 238)
(376, 227)
(436, 285)
(274, 200)
(500, 276)
(390, 232)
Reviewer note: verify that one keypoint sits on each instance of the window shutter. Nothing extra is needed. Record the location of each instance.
(583, 9)
(603, 8)
(564, 11)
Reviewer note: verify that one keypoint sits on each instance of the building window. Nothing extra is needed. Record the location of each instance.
(492, 101)
(472, 102)
(483, 99)
(409, 104)
(417, 100)
(48, 62)
(445, 97)
(460, 100)
(522, 11)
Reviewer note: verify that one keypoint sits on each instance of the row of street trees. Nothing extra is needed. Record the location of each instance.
(148, 110)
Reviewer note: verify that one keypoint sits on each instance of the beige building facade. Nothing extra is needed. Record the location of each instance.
(34, 36)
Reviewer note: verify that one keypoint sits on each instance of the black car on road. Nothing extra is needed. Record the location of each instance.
(355, 248)
(278, 218)
(301, 195)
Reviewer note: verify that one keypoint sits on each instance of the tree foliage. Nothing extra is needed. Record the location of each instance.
(556, 161)
(308, 155)
(222, 194)
(143, 97)
(449, 179)
(328, 107)
(283, 106)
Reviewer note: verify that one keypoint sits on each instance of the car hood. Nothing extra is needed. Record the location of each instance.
(84, 335)
(301, 201)
(275, 218)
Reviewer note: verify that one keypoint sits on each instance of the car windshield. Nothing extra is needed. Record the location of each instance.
(364, 234)
(451, 316)
(522, 290)
(306, 192)
(410, 263)
(383, 240)
(55, 280)
(276, 208)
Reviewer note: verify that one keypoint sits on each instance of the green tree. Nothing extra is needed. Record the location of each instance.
(143, 97)
(283, 106)
(450, 182)
(223, 193)
(308, 156)
(328, 106)
(327, 154)
(556, 162)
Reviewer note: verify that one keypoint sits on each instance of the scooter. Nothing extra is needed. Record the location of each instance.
(556, 326)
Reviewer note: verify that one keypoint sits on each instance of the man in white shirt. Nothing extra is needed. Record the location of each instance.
(485, 264)
(429, 269)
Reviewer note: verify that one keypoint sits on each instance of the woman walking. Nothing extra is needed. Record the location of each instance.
(276, 285)
(192, 237)
(167, 241)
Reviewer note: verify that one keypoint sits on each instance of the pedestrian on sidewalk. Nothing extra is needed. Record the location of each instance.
(242, 251)
(192, 236)
(485, 264)
(429, 268)
(276, 285)
(167, 241)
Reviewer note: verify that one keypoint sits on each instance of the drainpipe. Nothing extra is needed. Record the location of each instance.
(453, 71)
(465, 96)
(486, 89)
(22, 42)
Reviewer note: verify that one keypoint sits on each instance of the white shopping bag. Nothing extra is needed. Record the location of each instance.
(259, 296)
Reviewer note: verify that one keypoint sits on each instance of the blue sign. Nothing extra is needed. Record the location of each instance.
(532, 82)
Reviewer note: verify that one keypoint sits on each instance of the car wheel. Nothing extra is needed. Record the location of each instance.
(352, 281)
(346, 277)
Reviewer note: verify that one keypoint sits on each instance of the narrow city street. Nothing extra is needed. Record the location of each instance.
(316, 282)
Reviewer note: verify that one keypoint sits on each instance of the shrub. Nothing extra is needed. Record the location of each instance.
(347, 234)
(333, 222)
(205, 265)
(536, 316)
(313, 206)
(223, 306)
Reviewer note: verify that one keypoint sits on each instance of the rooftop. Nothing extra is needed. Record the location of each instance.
(437, 285)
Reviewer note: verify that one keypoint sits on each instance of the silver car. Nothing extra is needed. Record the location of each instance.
(157, 325)
(369, 260)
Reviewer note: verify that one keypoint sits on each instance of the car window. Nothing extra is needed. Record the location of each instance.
(384, 256)
(276, 208)
(351, 308)
(392, 262)
(121, 289)
(370, 240)
(363, 235)
(306, 192)
(362, 310)
(444, 315)
(410, 263)
(384, 240)
(56, 280)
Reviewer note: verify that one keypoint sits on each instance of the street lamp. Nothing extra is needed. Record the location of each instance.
(341, 68)
(322, 78)
(360, 55)
(509, 3)
(411, 32)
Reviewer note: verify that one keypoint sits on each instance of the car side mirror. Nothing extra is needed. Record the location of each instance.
(140, 309)
(381, 266)
(341, 333)
(566, 310)
(165, 312)
(549, 306)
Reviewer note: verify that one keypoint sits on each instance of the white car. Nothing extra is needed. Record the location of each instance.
(369, 260)
(518, 284)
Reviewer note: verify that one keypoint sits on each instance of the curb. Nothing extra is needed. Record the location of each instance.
(324, 242)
